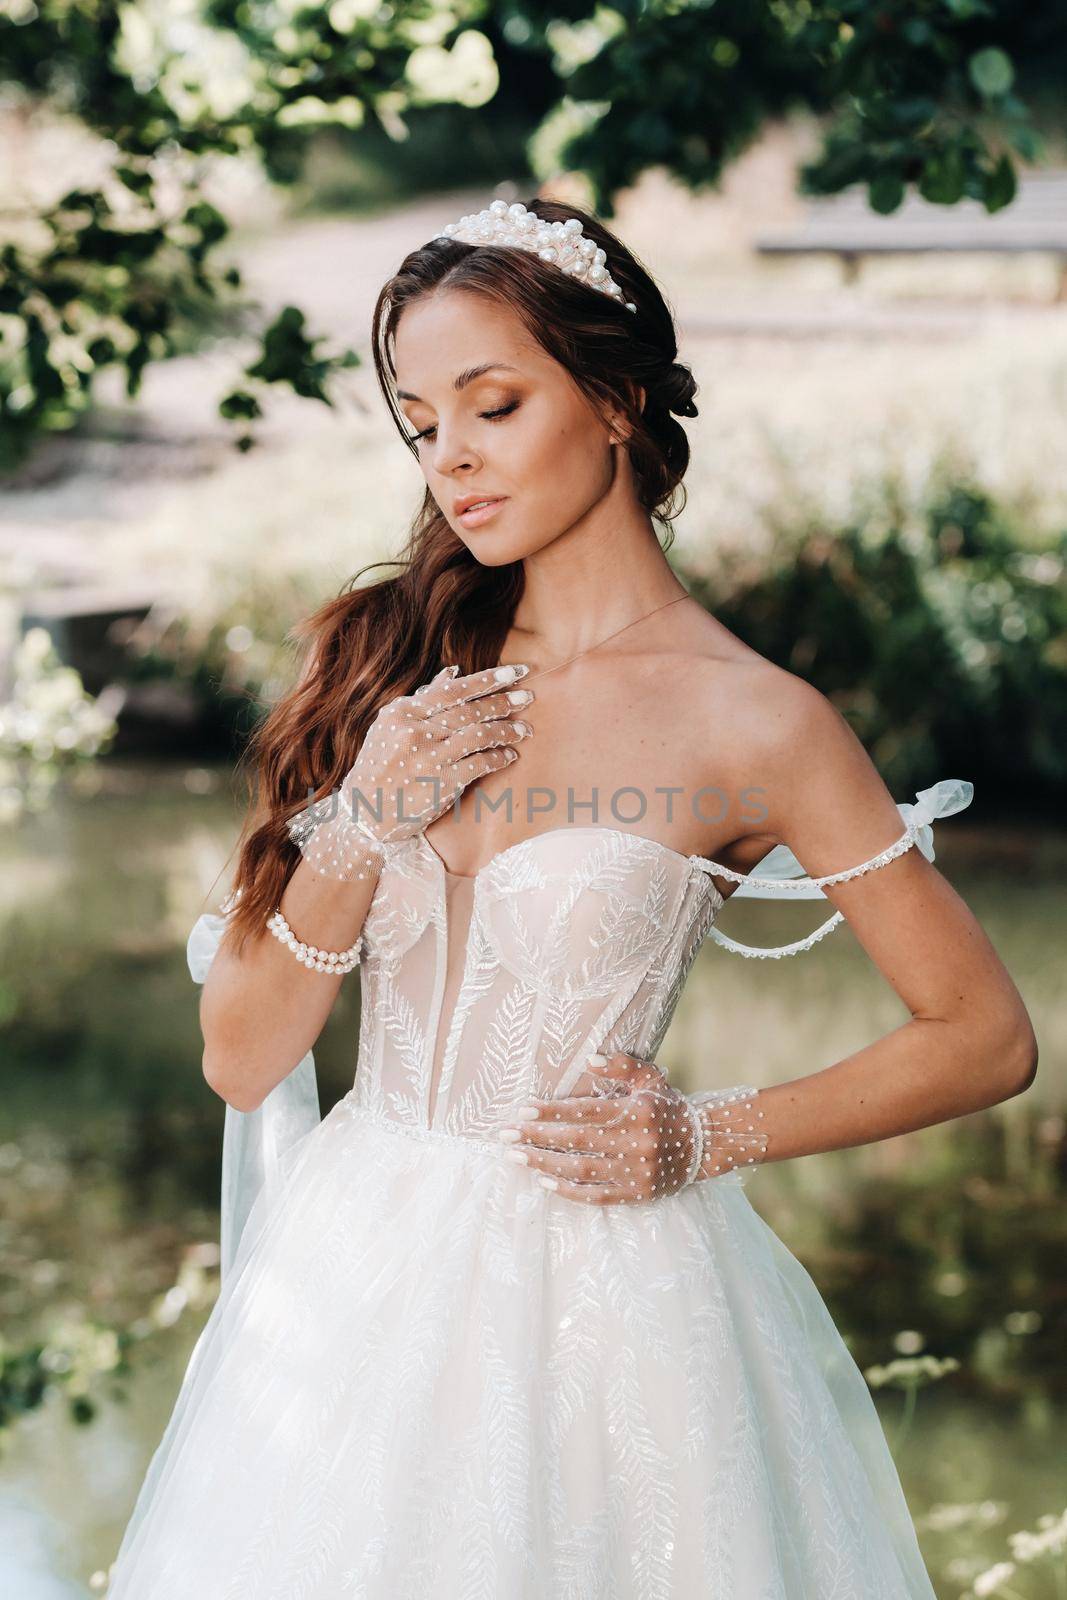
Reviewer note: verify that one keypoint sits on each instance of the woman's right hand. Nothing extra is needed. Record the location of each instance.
(421, 751)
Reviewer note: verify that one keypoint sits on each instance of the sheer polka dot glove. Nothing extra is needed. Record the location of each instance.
(636, 1137)
(732, 1131)
(421, 751)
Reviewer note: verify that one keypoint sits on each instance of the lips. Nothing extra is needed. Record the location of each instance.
(473, 510)
(467, 502)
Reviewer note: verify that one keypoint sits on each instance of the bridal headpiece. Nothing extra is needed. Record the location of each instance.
(562, 243)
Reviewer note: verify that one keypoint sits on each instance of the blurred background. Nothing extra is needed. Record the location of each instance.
(859, 215)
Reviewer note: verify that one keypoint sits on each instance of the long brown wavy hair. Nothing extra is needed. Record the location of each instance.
(377, 640)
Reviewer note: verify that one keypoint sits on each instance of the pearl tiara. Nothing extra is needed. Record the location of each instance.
(562, 243)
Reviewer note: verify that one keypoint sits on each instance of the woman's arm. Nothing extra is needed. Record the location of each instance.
(969, 1041)
(261, 1012)
(968, 1044)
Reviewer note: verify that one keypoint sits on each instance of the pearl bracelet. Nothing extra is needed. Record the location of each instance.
(316, 960)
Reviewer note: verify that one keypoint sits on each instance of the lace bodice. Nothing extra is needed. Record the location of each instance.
(480, 992)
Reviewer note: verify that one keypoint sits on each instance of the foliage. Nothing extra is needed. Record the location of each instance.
(1045, 1545)
(70, 1362)
(911, 83)
(81, 1355)
(47, 722)
(114, 274)
(972, 1248)
(226, 644)
(943, 640)
(912, 91)
(909, 1373)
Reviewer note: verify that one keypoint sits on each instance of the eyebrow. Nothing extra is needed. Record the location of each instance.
(464, 378)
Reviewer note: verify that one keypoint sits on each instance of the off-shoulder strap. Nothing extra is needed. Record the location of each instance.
(253, 1142)
(781, 876)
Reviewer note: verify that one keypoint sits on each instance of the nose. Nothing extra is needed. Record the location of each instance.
(451, 454)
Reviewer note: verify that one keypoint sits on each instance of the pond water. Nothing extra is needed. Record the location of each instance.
(949, 1242)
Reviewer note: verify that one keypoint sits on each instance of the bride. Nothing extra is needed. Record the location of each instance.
(504, 1323)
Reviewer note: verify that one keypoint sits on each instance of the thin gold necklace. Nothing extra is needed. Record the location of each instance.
(546, 670)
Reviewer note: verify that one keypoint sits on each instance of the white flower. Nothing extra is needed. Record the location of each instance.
(1049, 1540)
(907, 1370)
(993, 1578)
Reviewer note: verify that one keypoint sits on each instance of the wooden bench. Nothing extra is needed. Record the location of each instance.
(845, 226)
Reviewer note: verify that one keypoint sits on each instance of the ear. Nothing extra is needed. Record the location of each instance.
(618, 423)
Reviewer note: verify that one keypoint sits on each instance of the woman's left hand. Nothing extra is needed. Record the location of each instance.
(632, 1141)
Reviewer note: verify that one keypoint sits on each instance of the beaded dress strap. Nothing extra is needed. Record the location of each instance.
(785, 887)
(788, 880)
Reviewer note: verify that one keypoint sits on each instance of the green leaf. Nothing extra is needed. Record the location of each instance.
(240, 404)
(966, 9)
(998, 186)
(912, 112)
(101, 351)
(836, 167)
(885, 192)
(209, 223)
(991, 72)
(1026, 141)
(943, 177)
(136, 180)
(84, 200)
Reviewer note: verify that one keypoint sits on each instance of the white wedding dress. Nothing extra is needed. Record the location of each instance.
(429, 1378)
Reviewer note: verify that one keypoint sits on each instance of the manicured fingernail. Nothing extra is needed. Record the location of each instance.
(507, 674)
(596, 1061)
(527, 1113)
(509, 1135)
(548, 1183)
(520, 697)
(517, 1155)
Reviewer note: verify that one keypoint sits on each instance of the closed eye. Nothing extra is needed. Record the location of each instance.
(490, 416)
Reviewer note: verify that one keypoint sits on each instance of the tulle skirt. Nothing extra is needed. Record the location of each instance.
(428, 1378)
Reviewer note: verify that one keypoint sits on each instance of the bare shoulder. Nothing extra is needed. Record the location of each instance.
(747, 723)
(776, 739)
(783, 719)
(769, 713)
